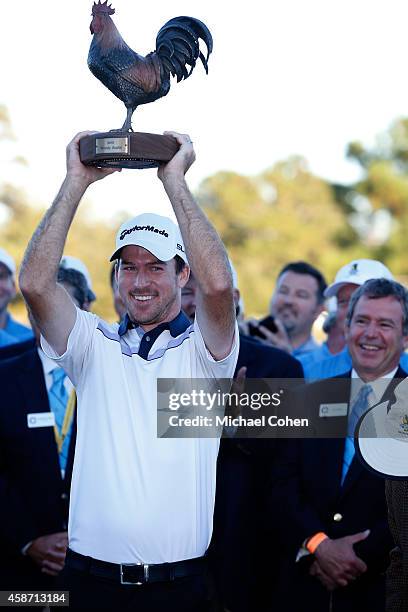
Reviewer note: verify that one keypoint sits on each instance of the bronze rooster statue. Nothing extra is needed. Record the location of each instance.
(135, 79)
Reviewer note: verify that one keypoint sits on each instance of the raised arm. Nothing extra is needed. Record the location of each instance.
(51, 306)
(206, 254)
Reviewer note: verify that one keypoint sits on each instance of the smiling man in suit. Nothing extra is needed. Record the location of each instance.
(336, 510)
(36, 458)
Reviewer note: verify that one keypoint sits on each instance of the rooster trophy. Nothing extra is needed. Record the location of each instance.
(137, 80)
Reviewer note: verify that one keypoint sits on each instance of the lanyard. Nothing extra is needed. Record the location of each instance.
(69, 413)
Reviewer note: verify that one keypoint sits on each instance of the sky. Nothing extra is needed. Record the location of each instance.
(285, 77)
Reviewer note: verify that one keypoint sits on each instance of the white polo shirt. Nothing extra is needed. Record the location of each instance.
(136, 498)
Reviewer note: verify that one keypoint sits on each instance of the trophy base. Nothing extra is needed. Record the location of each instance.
(121, 149)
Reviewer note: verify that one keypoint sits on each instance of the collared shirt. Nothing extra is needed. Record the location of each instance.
(306, 347)
(335, 366)
(18, 331)
(357, 404)
(317, 355)
(378, 386)
(6, 339)
(48, 366)
(137, 498)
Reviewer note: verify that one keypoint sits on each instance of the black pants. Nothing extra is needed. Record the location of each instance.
(87, 592)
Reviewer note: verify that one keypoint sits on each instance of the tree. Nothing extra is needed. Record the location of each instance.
(88, 238)
(285, 214)
(379, 200)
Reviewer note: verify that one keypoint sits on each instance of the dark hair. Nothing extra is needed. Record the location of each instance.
(179, 262)
(302, 267)
(112, 273)
(376, 288)
(77, 281)
(329, 322)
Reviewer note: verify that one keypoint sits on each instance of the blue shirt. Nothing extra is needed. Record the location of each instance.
(335, 365)
(17, 331)
(316, 356)
(306, 348)
(6, 339)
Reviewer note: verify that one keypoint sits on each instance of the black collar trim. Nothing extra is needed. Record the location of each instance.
(176, 327)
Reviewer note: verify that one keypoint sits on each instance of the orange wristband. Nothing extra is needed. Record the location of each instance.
(314, 541)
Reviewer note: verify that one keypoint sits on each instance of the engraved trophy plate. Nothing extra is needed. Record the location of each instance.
(111, 145)
(126, 150)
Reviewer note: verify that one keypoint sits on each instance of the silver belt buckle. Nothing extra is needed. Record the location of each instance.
(145, 573)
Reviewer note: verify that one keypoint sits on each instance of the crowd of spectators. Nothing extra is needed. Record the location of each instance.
(298, 524)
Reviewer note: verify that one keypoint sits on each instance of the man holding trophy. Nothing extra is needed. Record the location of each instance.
(141, 508)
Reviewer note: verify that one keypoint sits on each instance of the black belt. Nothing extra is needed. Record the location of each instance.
(135, 573)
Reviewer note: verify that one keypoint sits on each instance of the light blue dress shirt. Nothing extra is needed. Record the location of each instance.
(335, 365)
(17, 331)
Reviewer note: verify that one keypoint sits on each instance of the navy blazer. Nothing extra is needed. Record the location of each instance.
(307, 486)
(34, 497)
(13, 350)
(242, 515)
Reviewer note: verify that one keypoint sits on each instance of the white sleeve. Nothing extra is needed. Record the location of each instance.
(79, 345)
(224, 368)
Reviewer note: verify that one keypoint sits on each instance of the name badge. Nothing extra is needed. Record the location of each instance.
(41, 419)
(333, 410)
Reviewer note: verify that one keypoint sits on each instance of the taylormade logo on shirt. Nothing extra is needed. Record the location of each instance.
(147, 228)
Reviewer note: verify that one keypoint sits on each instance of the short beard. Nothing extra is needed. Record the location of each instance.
(289, 328)
(156, 318)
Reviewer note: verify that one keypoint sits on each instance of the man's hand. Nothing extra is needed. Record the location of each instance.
(337, 559)
(215, 312)
(77, 170)
(327, 582)
(279, 339)
(177, 167)
(48, 552)
(237, 387)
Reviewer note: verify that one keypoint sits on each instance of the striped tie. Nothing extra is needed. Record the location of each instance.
(58, 397)
(360, 407)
